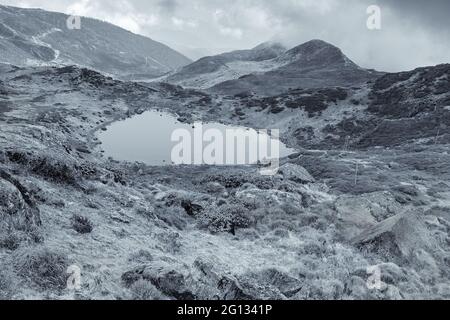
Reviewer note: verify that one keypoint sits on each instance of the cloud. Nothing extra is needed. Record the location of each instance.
(414, 32)
(180, 23)
(430, 14)
(168, 6)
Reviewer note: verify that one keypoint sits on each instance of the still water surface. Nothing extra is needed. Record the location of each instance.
(147, 138)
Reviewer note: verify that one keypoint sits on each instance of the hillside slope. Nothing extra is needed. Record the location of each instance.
(313, 64)
(209, 71)
(141, 232)
(38, 37)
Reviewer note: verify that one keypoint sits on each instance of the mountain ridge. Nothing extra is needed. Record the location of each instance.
(41, 37)
(211, 70)
(312, 64)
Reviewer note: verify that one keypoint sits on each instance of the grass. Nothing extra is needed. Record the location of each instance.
(81, 224)
(5, 285)
(42, 266)
(10, 241)
(146, 291)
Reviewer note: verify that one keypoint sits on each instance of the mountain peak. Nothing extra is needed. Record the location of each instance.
(316, 53)
(270, 45)
(314, 45)
(317, 43)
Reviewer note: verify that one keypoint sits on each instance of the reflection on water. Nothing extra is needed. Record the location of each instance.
(147, 138)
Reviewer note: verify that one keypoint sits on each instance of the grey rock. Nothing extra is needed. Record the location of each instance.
(165, 277)
(401, 235)
(296, 173)
(287, 284)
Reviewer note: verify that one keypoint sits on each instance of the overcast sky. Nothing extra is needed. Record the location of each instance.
(413, 32)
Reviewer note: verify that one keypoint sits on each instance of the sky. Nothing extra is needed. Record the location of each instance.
(413, 33)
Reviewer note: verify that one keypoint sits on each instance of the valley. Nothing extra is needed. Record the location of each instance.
(367, 187)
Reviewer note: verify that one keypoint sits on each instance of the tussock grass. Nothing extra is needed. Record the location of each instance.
(6, 285)
(10, 241)
(81, 224)
(146, 291)
(42, 266)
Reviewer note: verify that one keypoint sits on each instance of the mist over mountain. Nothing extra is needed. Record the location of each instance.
(313, 64)
(271, 69)
(36, 37)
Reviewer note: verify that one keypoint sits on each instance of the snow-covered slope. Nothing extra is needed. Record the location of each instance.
(38, 37)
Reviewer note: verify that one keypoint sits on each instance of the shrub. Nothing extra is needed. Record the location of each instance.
(19, 216)
(42, 266)
(11, 201)
(55, 170)
(173, 217)
(56, 167)
(11, 241)
(51, 168)
(81, 224)
(5, 285)
(226, 218)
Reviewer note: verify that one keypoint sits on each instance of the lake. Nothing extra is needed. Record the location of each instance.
(152, 137)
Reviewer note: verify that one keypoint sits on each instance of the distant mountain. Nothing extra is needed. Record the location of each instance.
(209, 71)
(270, 69)
(191, 52)
(313, 64)
(314, 54)
(38, 37)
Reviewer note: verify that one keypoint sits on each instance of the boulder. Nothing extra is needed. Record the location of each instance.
(287, 284)
(191, 208)
(409, 194)
(357, 213)
(216, 188)
(296, 173)
(171, 279)
(399, 236)
(215, 282)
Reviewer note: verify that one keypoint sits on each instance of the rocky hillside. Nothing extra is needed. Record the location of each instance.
(270, 70)
(209, 71)
(310, 232)
(38, 37)
(313, 64)
(367, 189)
(393, 110)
